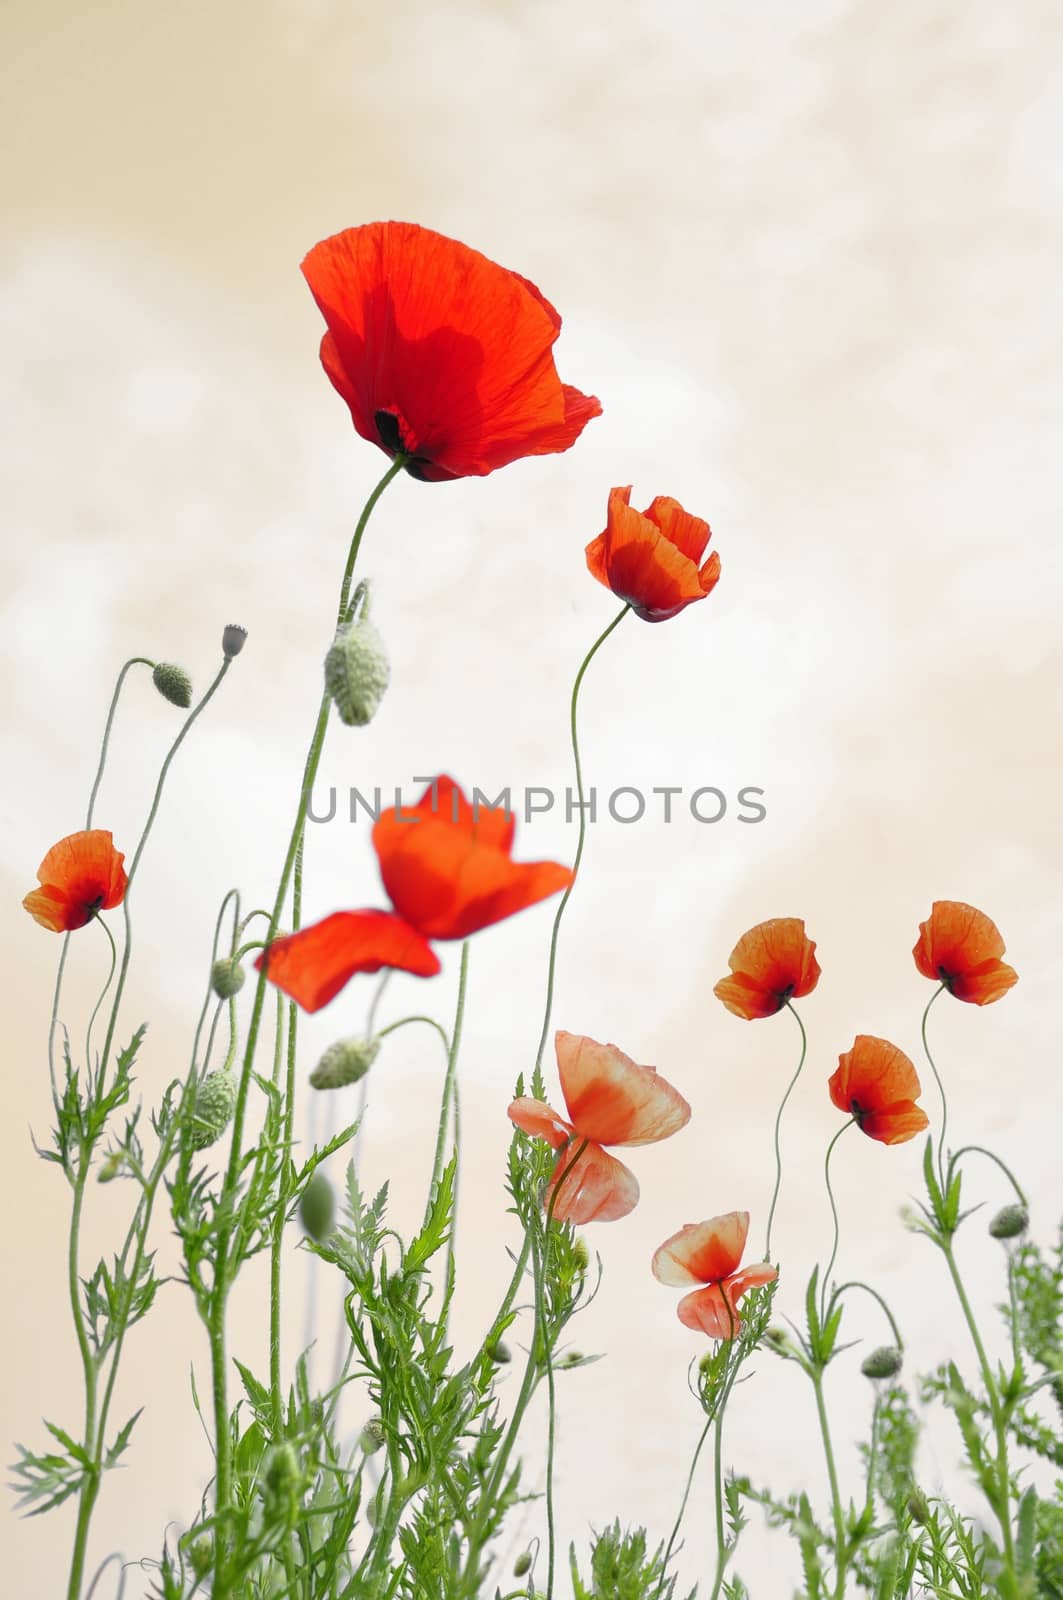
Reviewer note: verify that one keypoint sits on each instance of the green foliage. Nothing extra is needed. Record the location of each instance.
(622, 1570)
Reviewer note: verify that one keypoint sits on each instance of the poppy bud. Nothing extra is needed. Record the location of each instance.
(173, 683)
(213, 1108)
(522, 1564)
(344, 1062)
(1009, 1222)
(581, 1256)
(357, 671)
(111, 1166)
(201, 1555)
(919, 1507)
(885, 1362)
(226, 977)
(372, 1436)
(233, 639)
(317, 1206)
(779, 1340)
(499, 1353)
(573, 1358)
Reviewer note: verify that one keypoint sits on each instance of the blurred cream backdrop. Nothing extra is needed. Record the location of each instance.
(807, 255)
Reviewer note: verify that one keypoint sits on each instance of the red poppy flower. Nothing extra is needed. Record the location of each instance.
(771, 964)
(961, 948)
(440, 353)
(448, 869)
(610, 1101)
(878, 1085)
(79, 876)
(650, 558)
(709, 1253)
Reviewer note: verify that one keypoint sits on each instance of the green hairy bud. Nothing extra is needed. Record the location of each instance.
(173, 683)
(344, 1062)
(500, 1353)
(522, 1564)
(213, 1108)
(226, 977)
(884, 1362)
(372, 1436)
(317, 1206)
(1009, 1222)
(919, 1507)
(357, 671)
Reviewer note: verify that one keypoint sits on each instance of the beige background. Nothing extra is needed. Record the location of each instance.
(808, 257)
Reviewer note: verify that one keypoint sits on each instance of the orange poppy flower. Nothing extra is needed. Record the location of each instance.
(440, 353)
(878, 1085)
(610, 1101)
(961, 948)
(79, 876)
(650, 558)
(771, 964)
(448, 870)
(709, 1253)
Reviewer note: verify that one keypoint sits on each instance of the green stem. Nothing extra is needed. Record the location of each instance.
(540, 1268)
(683, 1503)
(824, 1285)
(941, 1087)
(778, 1123)
(89, 1489)
(102, 996)
(552, 968)
(832, 1474)
(134, 661)
(717, 1458)
(977, 1149)
(226, 1266)
(449, 1079)
(857, 1283)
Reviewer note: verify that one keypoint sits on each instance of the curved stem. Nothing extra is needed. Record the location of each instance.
(552, 967)
(832, 1474)
(134, 661)
(54, 1019)
(717, 1461)
(823, 1288)
(857, 1283)
(778, 1122)
(102, 995)
(449, 1080)
(937, 1079)
(90, 1370)
(683, 1504)
(977, 1149)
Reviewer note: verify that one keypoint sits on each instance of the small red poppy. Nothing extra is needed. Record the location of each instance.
(961, 948)
(81, 875)
(448, 869)
(440, 353)
(878, 1085)
(771, 964)
(611, 1100)
(650, 558)
(709, 1253)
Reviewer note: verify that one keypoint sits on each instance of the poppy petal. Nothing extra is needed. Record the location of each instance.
(702, 1252)
(752, 1277)
(771, 964)
(746, 998)
(79, 876)
(611, 1099)
(873, 1076)
(540, 1120)
(689, 534)
(635, 559)
(895, 1124)
(454, 348)
(598, 1188)
(961, 947)
(709, 1311)
(313, 965)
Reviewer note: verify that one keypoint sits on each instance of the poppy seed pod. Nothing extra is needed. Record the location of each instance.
(317, 1206)
(885, 1362)
(213, 1109)
(233, 639)
(357, 671)
(344, 1062)
(173, 683)
(1009, 1222)
(226, 977)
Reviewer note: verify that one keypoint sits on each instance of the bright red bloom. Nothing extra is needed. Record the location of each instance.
(771, 964)
(440, 353)
(878, 1085)
(79, 876)
(448, 869)
(709, 1253)
(610, 1101)
(650, 558)
(961, 948)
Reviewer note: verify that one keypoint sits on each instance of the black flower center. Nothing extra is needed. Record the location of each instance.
(390, 435)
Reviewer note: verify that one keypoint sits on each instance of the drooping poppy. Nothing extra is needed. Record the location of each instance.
(81, 875)
(440, 353)
(961, 948)
(650, 558)
(878, 1086)
(448, 869)
(709, 1254)
(771, 964)
(611, 1100)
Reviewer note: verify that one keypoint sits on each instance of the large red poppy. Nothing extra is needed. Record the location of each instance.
(771, 964)
(709, 1253)
(448, 869)
(611, 1100)
(650, 558)
(878, 1085)
(440, 353)
(81, 875)
(961, 948)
